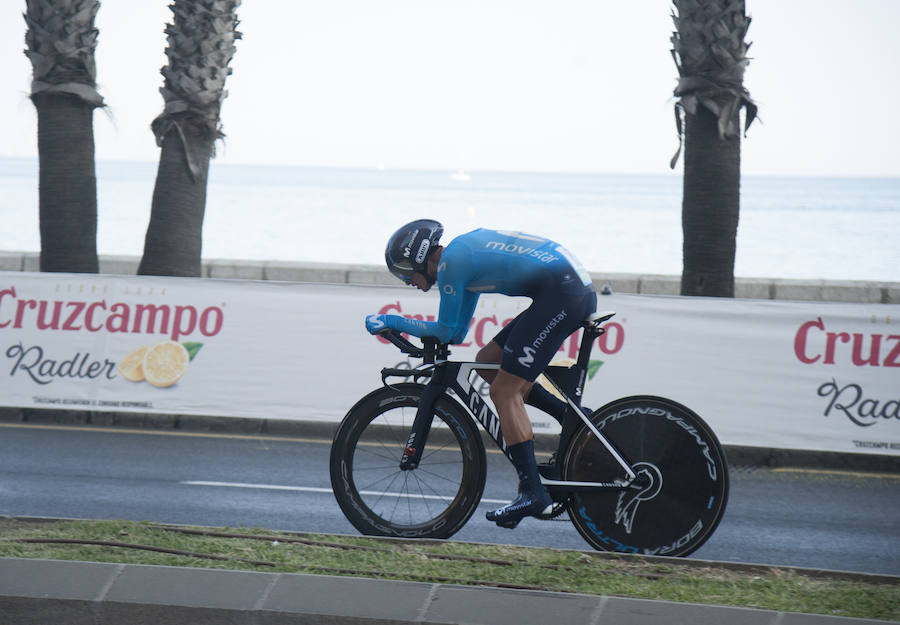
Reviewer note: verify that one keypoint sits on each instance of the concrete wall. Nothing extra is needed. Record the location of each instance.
(753, 288)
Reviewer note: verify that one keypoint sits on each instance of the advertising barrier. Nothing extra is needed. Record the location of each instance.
(797, 375)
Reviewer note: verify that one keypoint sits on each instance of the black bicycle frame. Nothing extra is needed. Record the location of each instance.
(457, 375)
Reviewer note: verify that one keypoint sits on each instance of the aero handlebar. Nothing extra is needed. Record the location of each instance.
(430, 349)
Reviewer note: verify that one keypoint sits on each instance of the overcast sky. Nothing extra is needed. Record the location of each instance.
(563, 85)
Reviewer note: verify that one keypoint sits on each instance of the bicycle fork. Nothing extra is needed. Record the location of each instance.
(418, 434)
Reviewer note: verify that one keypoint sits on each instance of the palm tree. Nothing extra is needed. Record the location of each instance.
(711, 55)
(60, 42)
(201, 44)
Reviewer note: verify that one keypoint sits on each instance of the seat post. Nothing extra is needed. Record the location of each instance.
(592, 330)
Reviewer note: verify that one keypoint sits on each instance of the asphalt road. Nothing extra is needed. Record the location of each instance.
(828, 520)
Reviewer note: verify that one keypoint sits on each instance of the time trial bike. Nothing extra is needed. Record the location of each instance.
(642, 474)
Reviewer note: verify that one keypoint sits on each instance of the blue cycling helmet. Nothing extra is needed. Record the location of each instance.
(408, 249)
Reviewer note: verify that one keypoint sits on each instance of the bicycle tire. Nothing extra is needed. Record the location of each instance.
(680, 506)
(433, 500)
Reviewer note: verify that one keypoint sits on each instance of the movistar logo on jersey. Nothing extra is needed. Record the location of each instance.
(528, 359)
(521, 250)
(542, 336)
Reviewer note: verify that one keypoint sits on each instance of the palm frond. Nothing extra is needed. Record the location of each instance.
(201, 44)
(60, 43)
(710, 52)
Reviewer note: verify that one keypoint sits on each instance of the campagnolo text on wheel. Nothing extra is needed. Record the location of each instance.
(642, 474)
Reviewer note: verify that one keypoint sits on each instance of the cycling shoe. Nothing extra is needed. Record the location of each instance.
(526, 504)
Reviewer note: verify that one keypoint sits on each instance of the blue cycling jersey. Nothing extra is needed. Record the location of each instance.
(493, 261)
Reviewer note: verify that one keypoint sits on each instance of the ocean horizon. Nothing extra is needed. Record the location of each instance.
(791, 227)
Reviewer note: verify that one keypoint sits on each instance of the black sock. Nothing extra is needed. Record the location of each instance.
(544, 400)
(522, 456)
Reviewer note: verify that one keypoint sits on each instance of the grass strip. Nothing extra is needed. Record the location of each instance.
(669, 579)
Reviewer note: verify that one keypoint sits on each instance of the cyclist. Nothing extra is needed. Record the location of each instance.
(515, 264)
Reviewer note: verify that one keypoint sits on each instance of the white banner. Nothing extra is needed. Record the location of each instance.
(799, 375)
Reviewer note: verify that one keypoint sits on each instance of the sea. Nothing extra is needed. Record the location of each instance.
(790, 227)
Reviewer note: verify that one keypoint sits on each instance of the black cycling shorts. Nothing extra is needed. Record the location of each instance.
(531, 340)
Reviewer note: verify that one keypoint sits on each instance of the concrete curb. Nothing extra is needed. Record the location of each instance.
(873, 292)
(739, 456)
(36, 592)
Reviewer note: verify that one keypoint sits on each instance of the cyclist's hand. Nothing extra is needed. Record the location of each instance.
(376, 324)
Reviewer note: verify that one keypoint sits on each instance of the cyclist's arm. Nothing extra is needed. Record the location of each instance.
(455, 273)
(456, 312)
(415, 327)
(457, 304)
(453, 319)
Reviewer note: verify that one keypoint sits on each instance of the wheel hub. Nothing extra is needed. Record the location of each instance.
(647, 485)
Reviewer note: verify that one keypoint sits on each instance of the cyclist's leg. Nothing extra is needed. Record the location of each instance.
(545, 401)
(521, 441)
(493, 351)
(508, 393)
(527, 350)
(582, 304)
(538, 396)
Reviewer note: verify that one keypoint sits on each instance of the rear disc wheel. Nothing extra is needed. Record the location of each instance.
(681, 489)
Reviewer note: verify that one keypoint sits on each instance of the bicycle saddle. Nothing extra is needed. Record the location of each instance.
(599, 317)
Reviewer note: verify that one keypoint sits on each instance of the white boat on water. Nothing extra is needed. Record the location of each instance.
(460, 176)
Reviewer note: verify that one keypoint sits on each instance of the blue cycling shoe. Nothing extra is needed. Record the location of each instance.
(526, 504)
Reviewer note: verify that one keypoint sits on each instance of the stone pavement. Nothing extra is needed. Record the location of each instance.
(48, 592)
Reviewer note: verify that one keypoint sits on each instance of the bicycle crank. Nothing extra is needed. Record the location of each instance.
(557, 509)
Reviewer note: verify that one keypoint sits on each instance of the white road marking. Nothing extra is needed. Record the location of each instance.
(313, 489)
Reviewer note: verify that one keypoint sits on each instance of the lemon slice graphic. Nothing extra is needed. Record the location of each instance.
(131, 367)
(165, 363)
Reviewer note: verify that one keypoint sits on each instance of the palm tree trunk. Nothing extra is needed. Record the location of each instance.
(174, 240)
(61, 39)
(200, 46)
(710, 206)
(710, 52)
(67, 184)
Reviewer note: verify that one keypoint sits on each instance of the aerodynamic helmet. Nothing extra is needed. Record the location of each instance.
(408, 249)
